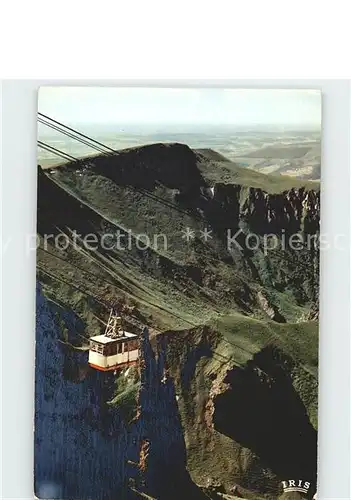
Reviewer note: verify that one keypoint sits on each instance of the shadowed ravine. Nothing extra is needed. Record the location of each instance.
(83, 445)
(262, 411)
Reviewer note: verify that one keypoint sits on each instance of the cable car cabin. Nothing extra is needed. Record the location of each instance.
(106, 353)
(115, 349)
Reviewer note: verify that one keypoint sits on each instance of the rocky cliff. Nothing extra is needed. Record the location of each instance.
(85, 447)
(261, 238)
(226, 398)
(199, 412)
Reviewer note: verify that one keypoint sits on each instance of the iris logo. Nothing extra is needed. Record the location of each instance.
(296, 485)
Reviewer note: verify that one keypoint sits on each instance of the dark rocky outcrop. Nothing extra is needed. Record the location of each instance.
(261, 410)
(83, 446)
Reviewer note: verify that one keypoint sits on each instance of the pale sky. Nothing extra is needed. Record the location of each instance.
(163, 106)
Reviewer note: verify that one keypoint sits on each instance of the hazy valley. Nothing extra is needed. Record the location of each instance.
(279, 151)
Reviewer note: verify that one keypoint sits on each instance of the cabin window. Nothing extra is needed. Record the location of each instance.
(112, 349)
(133, 345)
(94, 346)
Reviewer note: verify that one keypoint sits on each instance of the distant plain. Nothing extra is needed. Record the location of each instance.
(287, 152)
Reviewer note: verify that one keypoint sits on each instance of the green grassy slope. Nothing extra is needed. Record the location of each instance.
(185, 286)
(180, 283)
(230, 173)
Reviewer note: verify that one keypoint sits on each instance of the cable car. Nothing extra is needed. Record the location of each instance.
(115, 349)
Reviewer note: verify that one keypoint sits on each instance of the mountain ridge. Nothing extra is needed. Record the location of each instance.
(230, 304)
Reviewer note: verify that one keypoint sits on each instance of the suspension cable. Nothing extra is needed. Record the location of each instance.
(78, 133)
(69, 134)
(56, 151)
(116, 286)
(141, 191)
(76, 287)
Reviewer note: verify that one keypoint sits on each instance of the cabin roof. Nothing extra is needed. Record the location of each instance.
(103, 339)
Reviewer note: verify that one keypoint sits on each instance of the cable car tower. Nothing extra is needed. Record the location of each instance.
(116, 348)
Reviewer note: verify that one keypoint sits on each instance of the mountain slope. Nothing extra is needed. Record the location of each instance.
(229, 312)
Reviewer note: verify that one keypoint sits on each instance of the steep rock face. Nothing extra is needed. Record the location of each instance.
(234, 425)
(166, 476)
(160, 190)
(290, 211)
(72, 421)
(276, 234)
(248, 425)
(261, 410)
(270, 310)
(83, 446)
